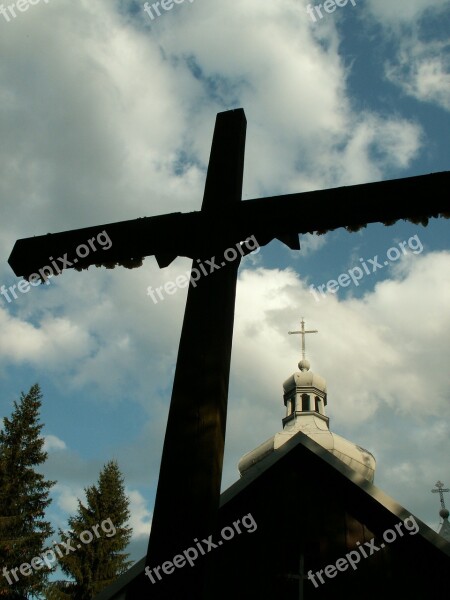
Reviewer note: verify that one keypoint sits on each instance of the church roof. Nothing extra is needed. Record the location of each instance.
(289, 494)
(311, 494)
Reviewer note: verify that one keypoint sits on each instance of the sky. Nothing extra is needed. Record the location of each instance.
(107, 114)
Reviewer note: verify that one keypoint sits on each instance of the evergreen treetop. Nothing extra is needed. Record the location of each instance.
(24, 497)
(100, 534)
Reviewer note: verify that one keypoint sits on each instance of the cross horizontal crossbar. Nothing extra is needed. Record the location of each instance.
(196, 234)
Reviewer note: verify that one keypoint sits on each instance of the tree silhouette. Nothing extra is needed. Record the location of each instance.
(24, 496)
(98, 534)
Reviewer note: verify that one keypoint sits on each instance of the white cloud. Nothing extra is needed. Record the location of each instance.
(22, 342)
(422, 70)
(420, 63)
(67, 496)
(404, 11)
(309, 243)
(52, 442)
(141, 517)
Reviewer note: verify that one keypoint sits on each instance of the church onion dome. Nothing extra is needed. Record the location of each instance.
(305, 399)
(306, 379)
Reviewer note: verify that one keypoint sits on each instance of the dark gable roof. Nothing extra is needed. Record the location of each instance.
(304, 499)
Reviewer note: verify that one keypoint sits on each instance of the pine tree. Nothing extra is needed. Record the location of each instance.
(98, 534)
(24, 496)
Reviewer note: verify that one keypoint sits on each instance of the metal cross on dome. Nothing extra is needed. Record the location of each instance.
(440, 490)
(303, 333)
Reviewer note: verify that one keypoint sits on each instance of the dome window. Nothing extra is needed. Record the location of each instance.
(305, 402)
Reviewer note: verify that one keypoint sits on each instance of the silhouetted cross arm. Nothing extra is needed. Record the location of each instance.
(203, 233)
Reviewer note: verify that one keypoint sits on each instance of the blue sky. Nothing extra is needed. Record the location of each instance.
(108, 115)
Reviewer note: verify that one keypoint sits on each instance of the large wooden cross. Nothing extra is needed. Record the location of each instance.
(188, 490)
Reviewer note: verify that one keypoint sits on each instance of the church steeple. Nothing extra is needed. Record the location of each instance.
(444, 529)
(305, 392)
(305, 398)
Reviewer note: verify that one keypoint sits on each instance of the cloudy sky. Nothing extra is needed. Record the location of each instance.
(107, 114)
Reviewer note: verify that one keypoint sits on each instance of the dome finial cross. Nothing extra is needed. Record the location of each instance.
(303, 332)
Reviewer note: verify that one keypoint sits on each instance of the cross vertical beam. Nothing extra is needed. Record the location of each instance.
(188, 492)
